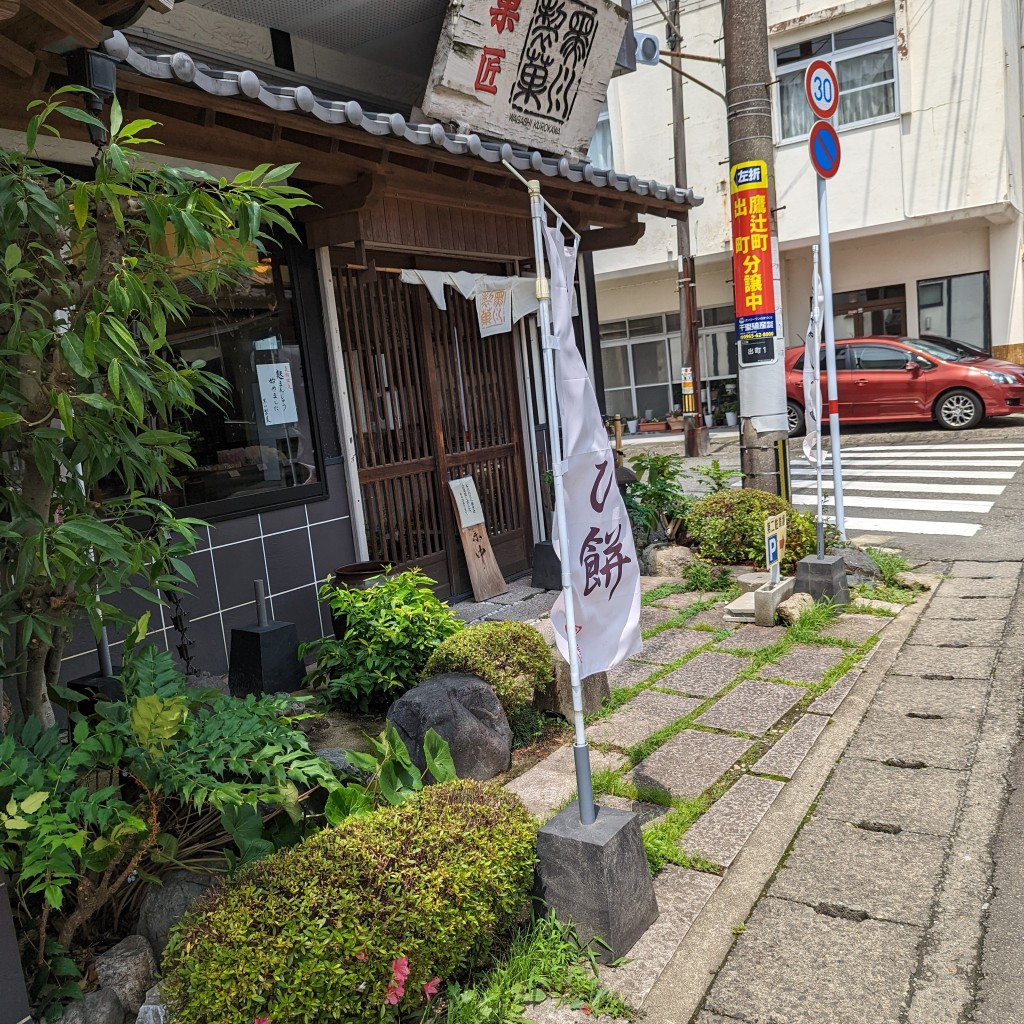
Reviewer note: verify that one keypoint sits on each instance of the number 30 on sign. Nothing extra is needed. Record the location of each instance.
(822, 89)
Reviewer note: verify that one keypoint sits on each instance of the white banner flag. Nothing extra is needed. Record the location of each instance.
(599, 546)
(812, 380)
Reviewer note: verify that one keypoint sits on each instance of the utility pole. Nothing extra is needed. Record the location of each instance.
(763, 421)
(698, 442)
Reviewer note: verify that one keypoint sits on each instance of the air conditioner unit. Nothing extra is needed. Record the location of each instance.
(648, 48)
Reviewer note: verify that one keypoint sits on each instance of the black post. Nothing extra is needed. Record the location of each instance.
(14, 1008)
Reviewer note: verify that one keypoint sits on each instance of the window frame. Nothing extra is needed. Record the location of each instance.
(830, 57)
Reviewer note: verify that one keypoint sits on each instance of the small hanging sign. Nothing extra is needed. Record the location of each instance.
(277, 393)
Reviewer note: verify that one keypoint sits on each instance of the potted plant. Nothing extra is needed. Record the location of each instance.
(731, 408)
(631, 424)
(650, 426)
(674, 419)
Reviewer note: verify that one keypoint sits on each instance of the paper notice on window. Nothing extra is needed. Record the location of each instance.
(494, 311)
(467, 501)
(277, 393)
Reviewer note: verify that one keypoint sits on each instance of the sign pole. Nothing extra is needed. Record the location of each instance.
(830, 356)
(580, 750)
(820, 524)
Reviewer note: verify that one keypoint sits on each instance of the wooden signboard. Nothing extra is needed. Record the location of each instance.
(14, 1008)
(484, 573)
(534, 72)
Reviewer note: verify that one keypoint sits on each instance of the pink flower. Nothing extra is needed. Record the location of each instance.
(400, 969)
(431, 987)
(361, 955)
(261, 1020)
(394, 994)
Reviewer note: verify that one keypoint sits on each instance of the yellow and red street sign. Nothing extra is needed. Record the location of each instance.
(753, 281)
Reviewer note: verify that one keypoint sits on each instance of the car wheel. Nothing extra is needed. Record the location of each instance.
(795, 416)
(959, 410)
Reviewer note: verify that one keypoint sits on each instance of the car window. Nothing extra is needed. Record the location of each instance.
(840, 359)
(879, 357)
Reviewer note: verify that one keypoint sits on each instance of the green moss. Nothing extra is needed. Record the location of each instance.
(310, 934)
(510, 657)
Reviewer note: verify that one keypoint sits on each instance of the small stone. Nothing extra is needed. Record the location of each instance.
(153, 1010)
(858, 564)
(127, 970)
(464, 711)
(100, 1007)
(914, 581)
(793, 607)
(665, 559)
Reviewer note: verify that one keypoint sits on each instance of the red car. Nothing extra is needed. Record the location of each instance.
(883, 380)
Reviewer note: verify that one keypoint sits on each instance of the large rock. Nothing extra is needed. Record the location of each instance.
(858, 564)
(164, 905)
(100, 1007)
(465, 712)
(664, 559)
(793, 607)
(127, 970)
(557, 698)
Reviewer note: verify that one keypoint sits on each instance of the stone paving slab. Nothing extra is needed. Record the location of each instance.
(950, 633)
(690, 762)
(643, 716)
(712, 617)
(795, 966)
(645, 812)
(754, 638)
(986, 570)
(969, 609)
(918, 800)
(525, 610)
(517, 591)
(549, 784)
(631, 672)
(940, 743)
(828, 703)
(706, 674)
(946, 662)
(550, 1012)
(789, 751)
(889, 877)
(720, 833)
(672, 644)
(1004, 586)
(682, 601)
(714, 1018)
(752, 707)
(855, 628)
(653, 616)
(649, 583)
(859, 604)
(964, 698)
(681, 896)
(804, 663)
(474, 611)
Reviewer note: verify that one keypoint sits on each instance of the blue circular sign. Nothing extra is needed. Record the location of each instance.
(823, 147)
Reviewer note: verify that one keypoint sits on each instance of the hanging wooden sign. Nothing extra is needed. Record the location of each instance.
(484, 573)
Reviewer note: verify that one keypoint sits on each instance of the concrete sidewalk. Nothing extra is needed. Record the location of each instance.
(875, 912)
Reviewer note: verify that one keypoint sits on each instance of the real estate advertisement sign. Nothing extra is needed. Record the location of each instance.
(532, 72)
(753, 278)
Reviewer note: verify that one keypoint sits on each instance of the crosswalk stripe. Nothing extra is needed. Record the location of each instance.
(803, 469)
(931, 447)
(936, 463)
(905, 488)
(906, 504)
(923, 526)
(856, 453)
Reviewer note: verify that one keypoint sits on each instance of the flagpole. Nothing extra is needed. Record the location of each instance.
(580, 750)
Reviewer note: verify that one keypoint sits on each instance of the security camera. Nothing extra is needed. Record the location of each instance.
(648, 48)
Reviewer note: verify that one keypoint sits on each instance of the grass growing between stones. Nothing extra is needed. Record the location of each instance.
(889, 563)
(544, 960)
(685, 614)
(885, 592)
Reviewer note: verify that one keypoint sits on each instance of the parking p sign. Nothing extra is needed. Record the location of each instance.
(774, 544)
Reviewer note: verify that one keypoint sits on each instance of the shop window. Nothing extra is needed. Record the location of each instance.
(258, 448)
(864, 60)
(957, 307)
(600, 153)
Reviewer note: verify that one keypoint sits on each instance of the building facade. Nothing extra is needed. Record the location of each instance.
(925, 211)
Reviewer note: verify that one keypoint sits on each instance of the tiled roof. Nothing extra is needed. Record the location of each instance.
(182, 67)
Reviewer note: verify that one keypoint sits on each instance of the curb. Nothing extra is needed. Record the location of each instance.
(681, 987)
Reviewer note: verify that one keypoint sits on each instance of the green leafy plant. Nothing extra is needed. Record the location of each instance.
(714, 478)
(391, 629)
(84, 820)
(511, 657)
(90, 390)
(360, 921)
(890, 564)
(527, 725)
(728, 526)
(656, 498)
(703, 576)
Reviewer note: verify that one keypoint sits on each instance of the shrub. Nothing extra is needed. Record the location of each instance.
(656, 498)
(324, 932)
(728, 526)
(511, 657)
(391, 629)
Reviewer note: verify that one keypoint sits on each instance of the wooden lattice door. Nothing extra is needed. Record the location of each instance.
(431, 401)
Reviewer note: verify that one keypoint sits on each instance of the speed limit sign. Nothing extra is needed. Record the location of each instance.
(822, 89)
